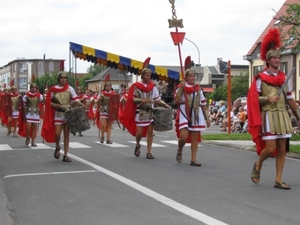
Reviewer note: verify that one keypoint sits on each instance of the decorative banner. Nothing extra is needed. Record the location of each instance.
(119, 62)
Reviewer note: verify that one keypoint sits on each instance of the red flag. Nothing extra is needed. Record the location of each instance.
(107, 78)
(62, 65)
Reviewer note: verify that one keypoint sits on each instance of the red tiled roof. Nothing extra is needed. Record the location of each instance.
(282, 11)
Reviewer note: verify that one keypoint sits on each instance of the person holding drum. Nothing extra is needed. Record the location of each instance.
(32, 110)
(104, 102)
(192, 120)
(138, 118)
(59, 99)
(13, 112)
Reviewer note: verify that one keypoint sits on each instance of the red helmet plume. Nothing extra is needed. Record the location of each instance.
(271, 42)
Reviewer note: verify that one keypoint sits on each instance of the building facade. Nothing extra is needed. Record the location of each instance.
(289, 59)
(21, 72)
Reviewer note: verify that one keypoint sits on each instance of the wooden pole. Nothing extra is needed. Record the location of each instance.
(229, 96)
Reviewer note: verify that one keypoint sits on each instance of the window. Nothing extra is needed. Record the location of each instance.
(257, 70)
(41, 66)
(283, 67)
(23, 83)
(22, 66)
(51, 66)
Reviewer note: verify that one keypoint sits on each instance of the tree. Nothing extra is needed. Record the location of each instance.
(289, 26)
(95, 69)
(239, 88)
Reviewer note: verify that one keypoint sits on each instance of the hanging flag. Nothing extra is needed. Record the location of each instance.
(12, 83)
(107, 78)
(62, 65)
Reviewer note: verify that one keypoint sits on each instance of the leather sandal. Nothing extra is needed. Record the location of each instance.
(137, 151)
(27, 141)
(57, 153)
(255, 174)
(149, 156)
(108, 142)
(33, 144)
(66, 159)
(195, 163)
(102, 140)
(282, 185)
(179, 157)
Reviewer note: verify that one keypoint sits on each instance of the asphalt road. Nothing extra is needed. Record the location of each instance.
(107, 184)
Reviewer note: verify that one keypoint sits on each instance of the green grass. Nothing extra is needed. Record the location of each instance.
(247, 137)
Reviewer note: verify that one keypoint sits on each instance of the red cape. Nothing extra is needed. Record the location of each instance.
(253, 109)
(48, 129)
(130, 108)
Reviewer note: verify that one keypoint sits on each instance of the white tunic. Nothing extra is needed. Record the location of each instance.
(183, 122)
(154, 95)
(32, 118)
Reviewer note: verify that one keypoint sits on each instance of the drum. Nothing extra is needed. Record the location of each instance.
(77, 119)
(162, 119)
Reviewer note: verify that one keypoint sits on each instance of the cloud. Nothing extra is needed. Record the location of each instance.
(134, 29)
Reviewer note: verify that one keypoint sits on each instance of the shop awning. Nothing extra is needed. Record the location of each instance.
(208, 89)
(120, 62)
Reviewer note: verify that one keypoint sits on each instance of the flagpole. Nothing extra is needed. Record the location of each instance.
(178, 39)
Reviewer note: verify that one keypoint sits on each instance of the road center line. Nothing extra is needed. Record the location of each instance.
(50, 173)
(167, 201)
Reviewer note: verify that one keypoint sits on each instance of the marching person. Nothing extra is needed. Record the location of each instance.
(269, 122)
(32, 108)
(138, 118)
(198, 113)
(104, 101)
(13, 117)
(59, 99)
(123, 101)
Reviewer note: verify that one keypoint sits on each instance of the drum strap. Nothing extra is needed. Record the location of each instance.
(192, 106)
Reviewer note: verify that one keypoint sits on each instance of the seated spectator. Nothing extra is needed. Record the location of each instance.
(239, 118)
(221, 112)
(225, 121)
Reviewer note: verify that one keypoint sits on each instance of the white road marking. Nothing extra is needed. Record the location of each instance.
(78, 145)
(5, 147)
(50, 173)
(144, 143)
(40, 146)
(113, 145)
(167, 201)
(175, 142)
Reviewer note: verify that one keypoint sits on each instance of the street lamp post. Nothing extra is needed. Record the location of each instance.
(197, 50)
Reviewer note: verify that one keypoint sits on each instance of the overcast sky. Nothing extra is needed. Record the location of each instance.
(135, 29)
